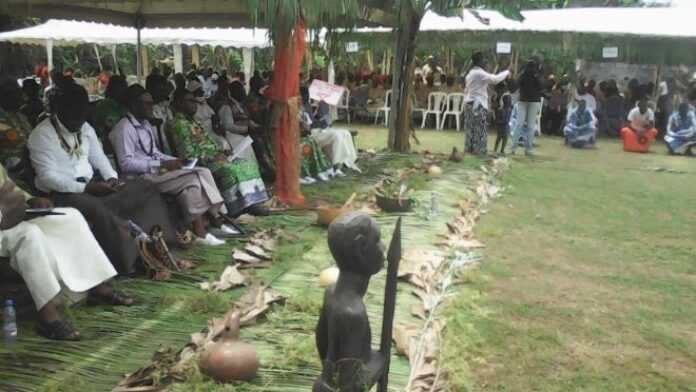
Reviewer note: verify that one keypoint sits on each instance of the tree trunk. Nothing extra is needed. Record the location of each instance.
(400, 119)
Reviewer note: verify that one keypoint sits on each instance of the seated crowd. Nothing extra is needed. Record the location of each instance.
(185, 155)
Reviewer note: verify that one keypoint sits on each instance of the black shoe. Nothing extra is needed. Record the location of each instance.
(257, 210)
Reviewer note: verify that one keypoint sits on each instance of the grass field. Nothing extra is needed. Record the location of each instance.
(589, 281)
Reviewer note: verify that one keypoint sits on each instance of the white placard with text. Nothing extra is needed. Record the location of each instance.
(503, 48)
(319, 90)
(610, 52)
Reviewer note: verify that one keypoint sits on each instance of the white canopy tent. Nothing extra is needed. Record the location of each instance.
(69, 33)
(137, 13)
(677, 22)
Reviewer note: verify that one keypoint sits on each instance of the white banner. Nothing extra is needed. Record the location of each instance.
(322, 91)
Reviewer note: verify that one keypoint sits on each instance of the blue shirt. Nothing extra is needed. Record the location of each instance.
(579, 119)
(679, 123)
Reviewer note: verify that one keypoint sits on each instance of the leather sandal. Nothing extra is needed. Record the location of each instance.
(58, 330)
(116, 298)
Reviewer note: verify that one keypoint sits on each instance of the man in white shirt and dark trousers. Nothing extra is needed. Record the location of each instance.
(476, 104)
(65, 152)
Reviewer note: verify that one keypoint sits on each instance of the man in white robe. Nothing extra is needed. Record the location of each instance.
(53, 254)
(337, 143)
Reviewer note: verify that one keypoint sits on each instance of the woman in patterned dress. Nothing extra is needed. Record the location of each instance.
(476, 104)
(239, 180)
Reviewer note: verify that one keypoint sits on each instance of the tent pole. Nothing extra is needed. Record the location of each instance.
(96, 53)
(332, 80)
(113, 56)
(196, 55)
(178, 59)
(248, 62)
(139, 58)
(49, 57)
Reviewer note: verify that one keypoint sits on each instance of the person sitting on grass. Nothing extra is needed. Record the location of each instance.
(53, 254)
(642, 120)
(581, 129)
(640, 132)
(681, 131)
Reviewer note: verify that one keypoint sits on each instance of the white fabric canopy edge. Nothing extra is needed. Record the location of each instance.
(71, 33)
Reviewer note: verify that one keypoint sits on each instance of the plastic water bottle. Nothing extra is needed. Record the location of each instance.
(9, 328)
(434, 207)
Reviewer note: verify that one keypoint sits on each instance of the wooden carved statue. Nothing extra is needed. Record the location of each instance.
(343, 334)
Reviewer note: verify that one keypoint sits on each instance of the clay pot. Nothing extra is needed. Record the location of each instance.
(227, 359)
(389, 204)
(326, 215)
(456, 156)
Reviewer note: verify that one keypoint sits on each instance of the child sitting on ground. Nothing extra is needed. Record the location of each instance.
(503, 124)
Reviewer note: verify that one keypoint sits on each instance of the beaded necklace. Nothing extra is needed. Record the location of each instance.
(75, 150)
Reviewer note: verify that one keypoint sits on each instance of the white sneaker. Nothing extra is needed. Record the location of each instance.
(209, 240)
(229, 230)
(339, 173)
(307, 181)
(323, 177)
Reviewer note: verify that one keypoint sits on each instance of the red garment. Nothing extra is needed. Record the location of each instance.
(285, 91)
(634, 143)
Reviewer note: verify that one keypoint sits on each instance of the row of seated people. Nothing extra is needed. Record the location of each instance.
(640, 132)
(69, 167)
(71, 171)
(229, 119)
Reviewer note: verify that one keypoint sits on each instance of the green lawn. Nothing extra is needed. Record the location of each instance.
(589, 279)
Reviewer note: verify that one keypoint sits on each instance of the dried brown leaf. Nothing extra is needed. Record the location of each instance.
(263, 264)
(256, 302)
(162, 275)
(404, 338)
(418, 310)
(257, 251)
(231, 277)
(243, 257)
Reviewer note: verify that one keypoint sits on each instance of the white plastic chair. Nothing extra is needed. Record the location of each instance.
(344, 104)
(415, 109)
(436, 104)
(538, 119)
(455, 107)
(385, 108)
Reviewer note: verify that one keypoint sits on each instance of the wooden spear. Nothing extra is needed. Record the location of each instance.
(393, 259)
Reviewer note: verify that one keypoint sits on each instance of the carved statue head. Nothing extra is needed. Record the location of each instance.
(355, 243)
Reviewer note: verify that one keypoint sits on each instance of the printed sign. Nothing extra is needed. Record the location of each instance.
(610, 52)
(352, 47)
(503, 48)
(322, 91)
